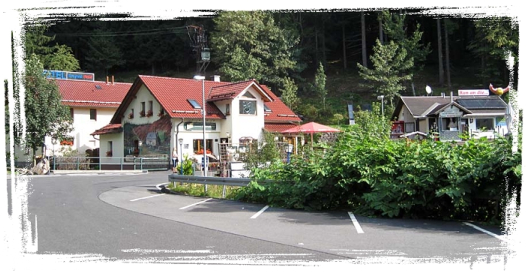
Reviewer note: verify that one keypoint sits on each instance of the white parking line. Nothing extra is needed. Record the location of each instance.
(486, 231)
(194, 204)
(356, 224)
(259, 213)
(146, 197)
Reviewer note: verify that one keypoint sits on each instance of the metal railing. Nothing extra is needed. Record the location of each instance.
(109, 163)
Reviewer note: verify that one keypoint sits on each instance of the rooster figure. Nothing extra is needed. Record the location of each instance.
(498, 91)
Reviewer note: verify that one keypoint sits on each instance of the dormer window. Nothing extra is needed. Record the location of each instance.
(194, 104)
(248, 95)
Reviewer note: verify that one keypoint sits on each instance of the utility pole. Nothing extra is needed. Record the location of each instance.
(200, 48)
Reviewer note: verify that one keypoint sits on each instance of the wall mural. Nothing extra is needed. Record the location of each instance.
(148, 139)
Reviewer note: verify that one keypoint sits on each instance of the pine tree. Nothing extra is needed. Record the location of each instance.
(289, 94)
(390, 66)
(319, 83)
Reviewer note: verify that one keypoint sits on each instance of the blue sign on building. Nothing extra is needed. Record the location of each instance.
(64, 75)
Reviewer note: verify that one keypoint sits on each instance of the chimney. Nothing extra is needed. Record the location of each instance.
(107, 79)
(217, 78)
(112, 79)
(443, 95)
(451, 97)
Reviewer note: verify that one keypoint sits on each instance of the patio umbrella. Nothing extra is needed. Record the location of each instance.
(311, 128)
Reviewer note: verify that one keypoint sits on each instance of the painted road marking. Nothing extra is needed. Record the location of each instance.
(259, 213)
(195, 204)
(146, 197)
(356, 224)
(486, 231)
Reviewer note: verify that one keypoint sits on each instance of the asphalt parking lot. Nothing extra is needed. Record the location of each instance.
(342, 233)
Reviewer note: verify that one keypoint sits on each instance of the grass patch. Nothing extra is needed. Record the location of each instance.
(214, 191)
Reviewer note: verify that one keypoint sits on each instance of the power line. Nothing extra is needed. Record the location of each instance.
(174, 30)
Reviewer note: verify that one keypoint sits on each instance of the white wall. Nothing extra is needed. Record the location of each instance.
(143, 95)
(244, 124)
(117, 147)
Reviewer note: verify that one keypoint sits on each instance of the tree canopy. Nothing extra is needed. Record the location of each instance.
(390, 64)
(44, 113)
(249, 45)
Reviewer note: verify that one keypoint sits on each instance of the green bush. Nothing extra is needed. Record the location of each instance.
(374, 175)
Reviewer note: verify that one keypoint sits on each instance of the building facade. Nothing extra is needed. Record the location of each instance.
(450, 117)
(160, 114)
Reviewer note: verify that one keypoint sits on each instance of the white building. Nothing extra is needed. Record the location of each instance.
(92, 105)
(158, 111)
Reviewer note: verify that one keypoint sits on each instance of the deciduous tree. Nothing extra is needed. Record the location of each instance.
(44, 113)
(249, 45)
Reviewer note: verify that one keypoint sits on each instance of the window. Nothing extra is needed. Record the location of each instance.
(150, 108)
(132, 113)
(450, 124)
(161, 110)
(485, 124)
(247, 107)
(71, 113)
(143, 109)
(109, 153)
(93, 114)
(194, 104)
(227, 109)
(193, 126)
(198, 146)
(409, 127)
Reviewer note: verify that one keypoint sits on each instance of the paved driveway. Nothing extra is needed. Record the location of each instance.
(125, 217)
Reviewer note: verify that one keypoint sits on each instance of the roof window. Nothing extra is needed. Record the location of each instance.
(194, 103)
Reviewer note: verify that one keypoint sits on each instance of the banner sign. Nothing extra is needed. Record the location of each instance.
(474, 92)
(64, 75)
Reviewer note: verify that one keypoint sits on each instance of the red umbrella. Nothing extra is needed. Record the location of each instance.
(311, 128)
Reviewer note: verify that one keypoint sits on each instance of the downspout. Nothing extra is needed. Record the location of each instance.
(177, 137)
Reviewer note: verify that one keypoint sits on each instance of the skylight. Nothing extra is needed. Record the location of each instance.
(98, 86)
(194, 103)
(267, 109)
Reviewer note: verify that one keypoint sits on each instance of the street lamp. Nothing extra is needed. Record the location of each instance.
(181, 154)
(289, 149)
(381, 98)
(203, 110)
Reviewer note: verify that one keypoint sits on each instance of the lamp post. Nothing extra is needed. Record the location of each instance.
(290, 148)
(203, 110)
(381, 98)
(181, 154)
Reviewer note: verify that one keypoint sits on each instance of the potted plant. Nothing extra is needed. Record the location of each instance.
(149, 114)
(130, 116)
(142, 113)
(109, 153)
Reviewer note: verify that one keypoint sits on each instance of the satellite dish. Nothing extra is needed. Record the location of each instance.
(428, 89)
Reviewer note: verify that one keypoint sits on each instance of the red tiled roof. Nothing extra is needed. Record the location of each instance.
(232, 90)
(270, 127)
(92, 93)
(111, 128)
(280, 112)
(173, 95)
